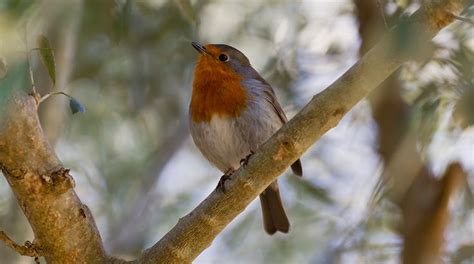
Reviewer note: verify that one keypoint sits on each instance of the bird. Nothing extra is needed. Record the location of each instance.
(232, 111)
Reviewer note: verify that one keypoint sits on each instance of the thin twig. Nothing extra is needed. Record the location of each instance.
(27, 250)
(46, 96)
(382, 12)
(32, 80)
(463, 19)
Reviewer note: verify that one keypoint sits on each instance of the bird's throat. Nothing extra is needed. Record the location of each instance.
(217, 91)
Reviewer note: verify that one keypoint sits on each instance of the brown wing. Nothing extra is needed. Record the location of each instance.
(270, 96)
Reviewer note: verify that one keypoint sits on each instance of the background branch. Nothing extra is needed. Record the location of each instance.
(425, 216)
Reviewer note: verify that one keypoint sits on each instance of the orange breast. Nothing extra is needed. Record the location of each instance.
(216, 91)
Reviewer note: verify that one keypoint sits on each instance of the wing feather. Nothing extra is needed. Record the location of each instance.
(269, 95)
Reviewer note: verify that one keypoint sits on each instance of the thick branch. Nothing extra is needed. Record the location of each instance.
(196, 231)
(64, 229)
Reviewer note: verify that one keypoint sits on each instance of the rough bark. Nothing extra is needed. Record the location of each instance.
(64, 228)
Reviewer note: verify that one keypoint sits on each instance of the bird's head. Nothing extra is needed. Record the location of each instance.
(221, 58)
(217, 85)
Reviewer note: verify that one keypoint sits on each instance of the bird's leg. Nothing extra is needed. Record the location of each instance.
(228, 173)
(245, 160)
(223, 179)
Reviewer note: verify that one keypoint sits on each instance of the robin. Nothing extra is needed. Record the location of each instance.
(233, 110)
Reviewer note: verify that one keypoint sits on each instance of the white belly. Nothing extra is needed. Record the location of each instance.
(221, 142)
(225, 141)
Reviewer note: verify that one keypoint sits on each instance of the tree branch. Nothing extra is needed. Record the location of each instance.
(464, 19)
(426, 216)
(26, 250)
(196, 231)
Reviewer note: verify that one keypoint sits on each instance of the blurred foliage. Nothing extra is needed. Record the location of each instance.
(16, 76)
(439, 92)
(130, 64)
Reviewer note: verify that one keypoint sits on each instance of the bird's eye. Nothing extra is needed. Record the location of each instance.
(223, 57)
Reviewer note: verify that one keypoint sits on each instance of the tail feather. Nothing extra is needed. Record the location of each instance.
(274, 216)
(297, 168)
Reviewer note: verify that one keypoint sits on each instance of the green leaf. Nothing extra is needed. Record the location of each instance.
(3, 68)
(47, 56)
(76, 106)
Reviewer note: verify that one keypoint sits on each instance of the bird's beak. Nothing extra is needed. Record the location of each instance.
(200, 48)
